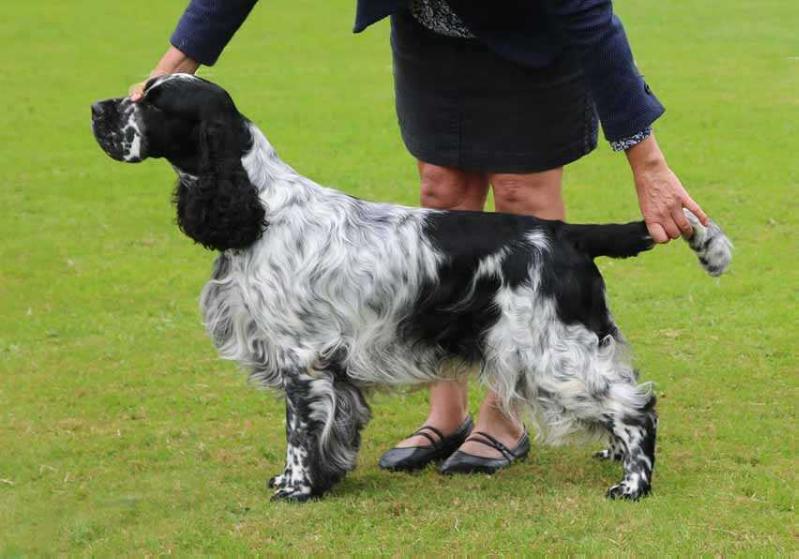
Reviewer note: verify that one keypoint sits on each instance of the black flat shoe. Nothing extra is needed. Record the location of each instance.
(412, 458)
(464, 463)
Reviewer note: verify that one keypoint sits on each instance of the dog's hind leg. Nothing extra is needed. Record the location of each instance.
(626, 412)
(633, 432)
(324, 416)
(591, 385)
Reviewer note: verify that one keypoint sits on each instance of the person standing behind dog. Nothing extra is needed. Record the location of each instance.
(500, 94)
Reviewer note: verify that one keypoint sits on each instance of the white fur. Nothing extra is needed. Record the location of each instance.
(336, 274)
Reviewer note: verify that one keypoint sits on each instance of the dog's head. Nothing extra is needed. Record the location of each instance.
(195, 125)
(175, 114)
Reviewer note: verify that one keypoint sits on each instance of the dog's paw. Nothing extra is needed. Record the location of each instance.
(628, 490)
(608, 454)
(293, 494)
(276, 481)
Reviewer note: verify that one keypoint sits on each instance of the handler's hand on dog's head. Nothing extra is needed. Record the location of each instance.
(172, 62)
(136, 91)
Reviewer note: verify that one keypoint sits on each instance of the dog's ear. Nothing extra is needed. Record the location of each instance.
(220, 208)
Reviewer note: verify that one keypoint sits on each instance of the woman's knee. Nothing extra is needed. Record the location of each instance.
(538, 194)
(450, 188)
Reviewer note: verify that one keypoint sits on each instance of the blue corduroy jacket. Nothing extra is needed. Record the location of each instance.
(530, 32)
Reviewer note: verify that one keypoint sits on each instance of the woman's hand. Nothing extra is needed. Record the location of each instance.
(661, 195)
(172, 62)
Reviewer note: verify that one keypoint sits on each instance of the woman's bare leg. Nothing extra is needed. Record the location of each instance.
(448, 189)
(537, 194)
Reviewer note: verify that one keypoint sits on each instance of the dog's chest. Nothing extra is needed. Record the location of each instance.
(255, 309)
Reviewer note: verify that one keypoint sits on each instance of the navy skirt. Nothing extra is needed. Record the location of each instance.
(461, 105)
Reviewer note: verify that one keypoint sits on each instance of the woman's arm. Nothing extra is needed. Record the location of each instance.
(207, 26)
(202, 33)
(174, 61)
(625, 103)
(627, 108)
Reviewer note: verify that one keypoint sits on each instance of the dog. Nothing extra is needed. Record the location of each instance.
(322, 296)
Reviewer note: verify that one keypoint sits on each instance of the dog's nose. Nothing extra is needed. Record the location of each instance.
(97, 109)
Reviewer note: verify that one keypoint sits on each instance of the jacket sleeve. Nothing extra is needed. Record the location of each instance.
(207, 26)
(625, 103)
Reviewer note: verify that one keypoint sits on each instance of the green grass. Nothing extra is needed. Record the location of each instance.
(122, 434)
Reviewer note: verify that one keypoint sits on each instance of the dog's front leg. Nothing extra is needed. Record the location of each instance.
(294, 483)
(324, 416)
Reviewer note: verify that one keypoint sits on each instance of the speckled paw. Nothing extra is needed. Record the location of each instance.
(627, 491)
(292, 495)
(276, 481)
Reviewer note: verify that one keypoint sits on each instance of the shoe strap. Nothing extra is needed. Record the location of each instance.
(421, 432)
(488, 440)
(466, 427)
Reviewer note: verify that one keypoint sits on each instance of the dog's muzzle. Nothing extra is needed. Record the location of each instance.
(117, 130)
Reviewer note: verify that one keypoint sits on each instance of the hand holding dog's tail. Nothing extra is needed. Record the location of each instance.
(710, 244)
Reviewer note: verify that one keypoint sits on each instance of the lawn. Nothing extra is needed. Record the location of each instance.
(122, 434)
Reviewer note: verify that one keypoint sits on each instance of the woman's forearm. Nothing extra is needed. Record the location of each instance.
(175, 61)
(624, 103)
(202, 32)
(645, 155)
(207, 26)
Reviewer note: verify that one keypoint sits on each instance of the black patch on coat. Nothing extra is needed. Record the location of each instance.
(454, 311)
(571, 277)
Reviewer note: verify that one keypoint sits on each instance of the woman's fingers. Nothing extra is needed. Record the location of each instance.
(666, 226)
(657, 233)
(136, 91)
(695, 209)
(671, 228)
(682, 223)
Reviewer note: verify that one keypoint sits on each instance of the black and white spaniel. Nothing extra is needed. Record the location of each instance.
(321, 295)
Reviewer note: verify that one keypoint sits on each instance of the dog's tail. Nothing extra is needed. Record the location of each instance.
(710, 244)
